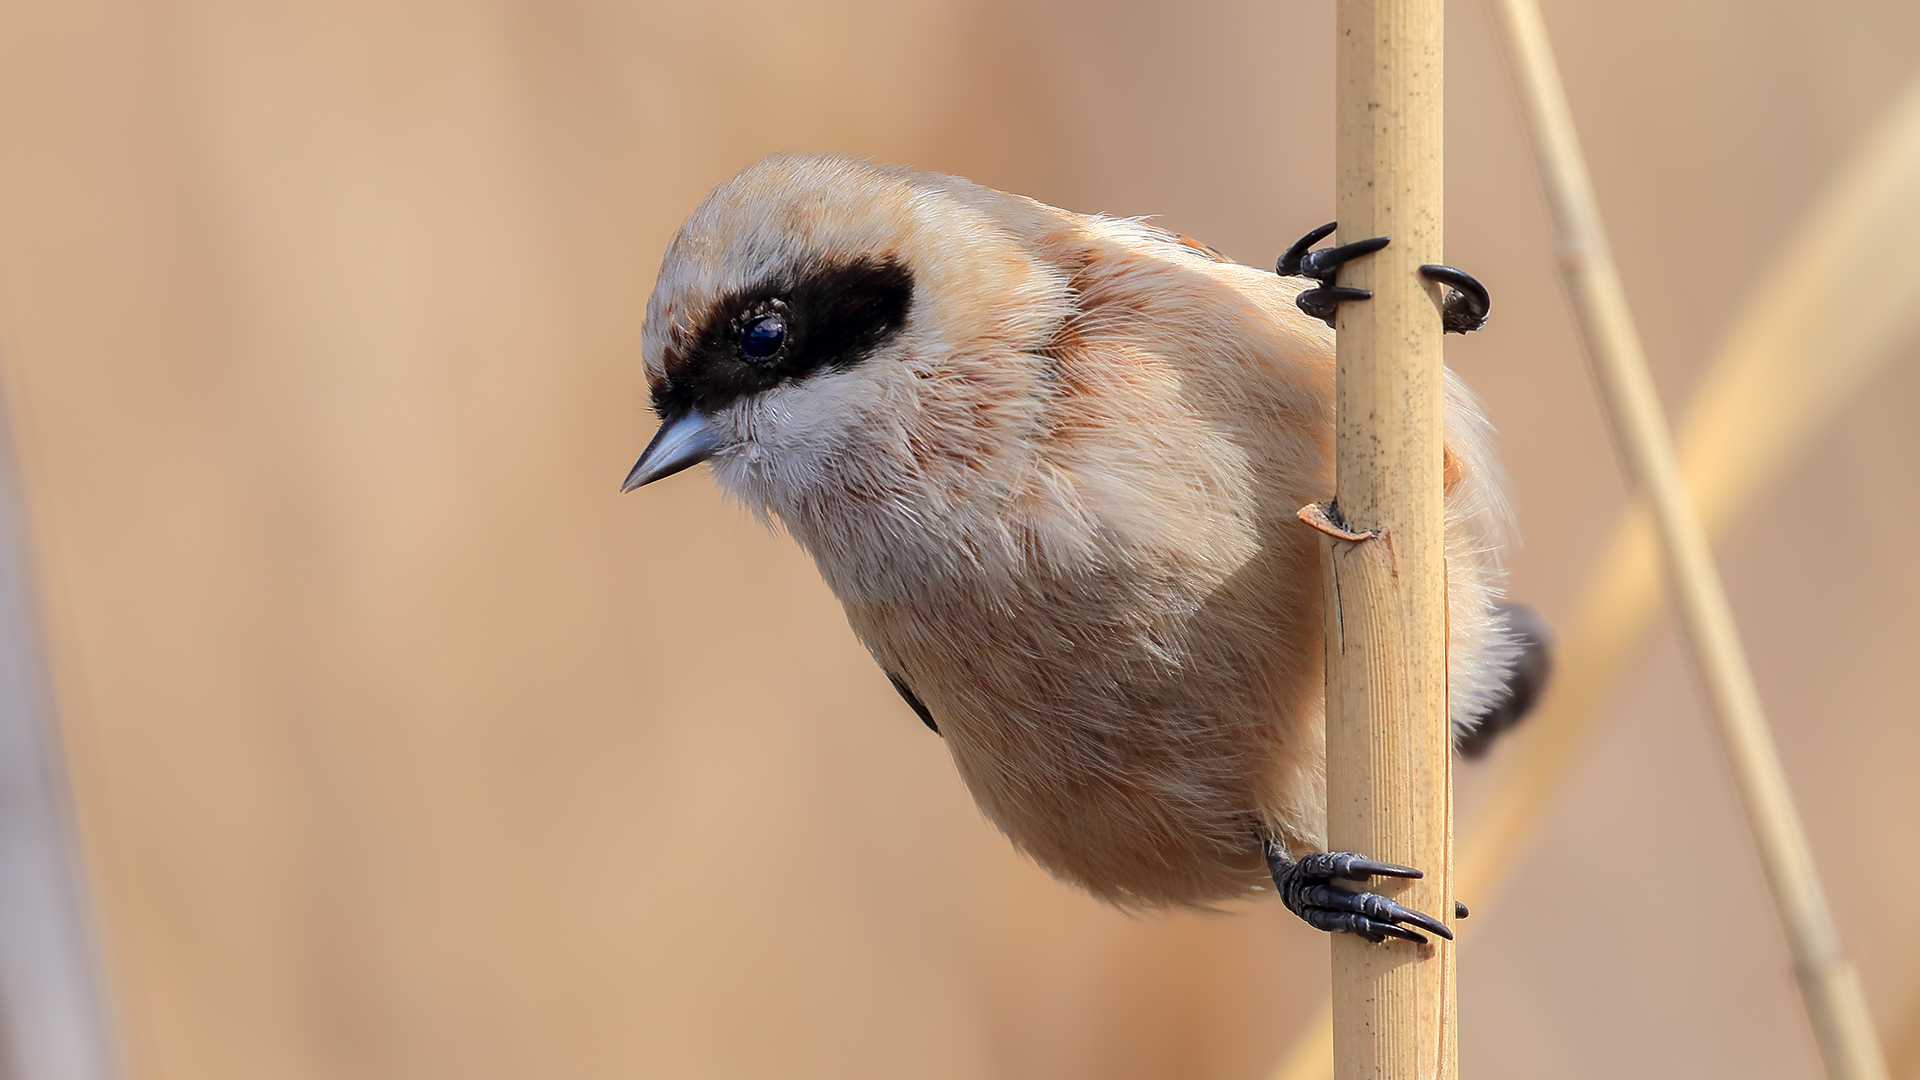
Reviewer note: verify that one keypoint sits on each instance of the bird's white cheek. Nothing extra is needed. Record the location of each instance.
(784, 443)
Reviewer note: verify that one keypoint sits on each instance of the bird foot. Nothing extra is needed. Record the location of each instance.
(1306, 887)
(1323, 266)
(1463, 310)
(1466, 305)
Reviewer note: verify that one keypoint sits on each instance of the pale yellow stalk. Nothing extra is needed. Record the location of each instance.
(1389, 766)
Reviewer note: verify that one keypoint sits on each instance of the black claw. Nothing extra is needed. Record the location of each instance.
(1463, 310)
(1422, 920)
(1466, 305)
(1349, 922)
(1324, 266)
(1459, 910)
(1306, 888)
(1401, 932)
(1352, 867)
(1375, 907)
(1289, 264)
(1322, 303)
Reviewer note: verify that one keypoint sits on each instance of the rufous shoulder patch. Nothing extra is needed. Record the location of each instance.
(1205, 249)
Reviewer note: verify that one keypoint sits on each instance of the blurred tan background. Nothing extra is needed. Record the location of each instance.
(402, 747)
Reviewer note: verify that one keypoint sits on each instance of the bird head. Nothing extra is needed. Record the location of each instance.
(825, 325)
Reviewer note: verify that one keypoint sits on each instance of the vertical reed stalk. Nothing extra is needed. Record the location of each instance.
(1389, 765)
(1757, 408)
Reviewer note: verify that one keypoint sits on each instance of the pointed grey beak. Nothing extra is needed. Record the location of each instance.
(679, 444)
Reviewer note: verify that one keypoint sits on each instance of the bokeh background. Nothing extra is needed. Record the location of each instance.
(397, 745)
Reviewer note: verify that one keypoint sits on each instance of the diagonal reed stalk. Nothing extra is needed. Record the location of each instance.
(1779, 377)
(1829, 988)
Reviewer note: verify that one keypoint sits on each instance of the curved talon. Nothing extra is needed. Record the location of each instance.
(1402, 932)
(1373, 906)
(1354, 922)
(1352, 867)
(1306, 888)
(1466, 305)
(1420, 919)
(1323, 266)
(1322, 303)
(1346, 922)
(1463, 310)
(1289, 264)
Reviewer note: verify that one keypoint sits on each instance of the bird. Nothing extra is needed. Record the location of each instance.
(1050, 464)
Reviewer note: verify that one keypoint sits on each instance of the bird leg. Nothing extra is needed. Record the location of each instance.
(1463, 310)
(1306, 887)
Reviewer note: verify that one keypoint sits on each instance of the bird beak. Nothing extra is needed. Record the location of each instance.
(679, 444)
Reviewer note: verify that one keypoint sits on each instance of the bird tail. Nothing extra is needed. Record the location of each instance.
(1526, 680)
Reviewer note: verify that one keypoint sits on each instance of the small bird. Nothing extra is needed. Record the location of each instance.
(1050, 464)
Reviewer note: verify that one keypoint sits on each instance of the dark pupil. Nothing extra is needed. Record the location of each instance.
(763, 336)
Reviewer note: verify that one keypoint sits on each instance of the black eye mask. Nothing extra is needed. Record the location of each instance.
(807, 319)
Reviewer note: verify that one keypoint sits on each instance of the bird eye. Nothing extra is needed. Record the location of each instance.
(763, 336)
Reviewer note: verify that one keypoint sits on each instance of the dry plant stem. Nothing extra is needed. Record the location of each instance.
(1311, 1055)
(1758, 407)
(1389, 765)
(1842, 1028)
(1760, 403)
